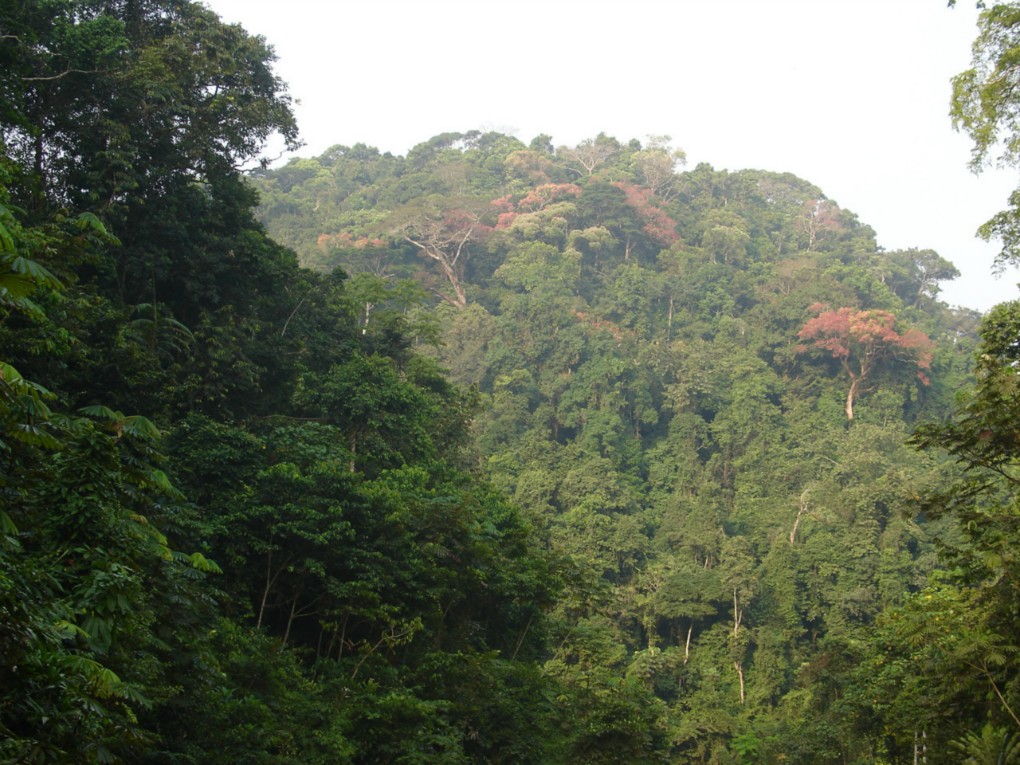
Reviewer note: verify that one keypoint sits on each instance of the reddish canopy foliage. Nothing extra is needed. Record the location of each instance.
(544, 195)
(862, 339)
(503, 204)
(535, 200)
(346, 241)
(818, 218)
(503, 220)
(866, 336)
(657, 224)
(531, 165)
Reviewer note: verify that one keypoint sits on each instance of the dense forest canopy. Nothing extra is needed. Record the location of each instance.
(496, 452)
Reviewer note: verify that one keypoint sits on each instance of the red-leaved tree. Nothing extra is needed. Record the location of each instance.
(864, 342)
(656, 222)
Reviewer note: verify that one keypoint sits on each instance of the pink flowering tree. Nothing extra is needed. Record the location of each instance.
(656, 223)
(864, 342)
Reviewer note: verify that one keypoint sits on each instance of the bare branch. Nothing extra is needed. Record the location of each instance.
(59, 76)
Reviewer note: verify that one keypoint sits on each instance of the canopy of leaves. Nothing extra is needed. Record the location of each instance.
(531, 468)
(636, 337)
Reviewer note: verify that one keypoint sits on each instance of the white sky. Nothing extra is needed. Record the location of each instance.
(851, 95)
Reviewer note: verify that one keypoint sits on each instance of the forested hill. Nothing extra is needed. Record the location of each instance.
(491, 453)
(699, 386)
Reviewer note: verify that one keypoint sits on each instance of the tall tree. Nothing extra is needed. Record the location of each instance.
(985, 106)
(590, 154)
(442, 232)
(862, 341)
(963, 627)
(109, 102)
(658, 165)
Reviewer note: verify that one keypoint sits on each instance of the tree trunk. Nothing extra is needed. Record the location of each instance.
(368, 314)
(290, 619)
(438, 252)
(850, 396)
(343, 637)
(270, 581)
(800, 514)
(460, 298)
(524, 634)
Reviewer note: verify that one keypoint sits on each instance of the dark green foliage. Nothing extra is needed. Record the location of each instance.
(349, 581)
(547, 479)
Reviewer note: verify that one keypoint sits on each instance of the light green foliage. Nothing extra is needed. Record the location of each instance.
(983, 103)
(984, 106)
(994, 745)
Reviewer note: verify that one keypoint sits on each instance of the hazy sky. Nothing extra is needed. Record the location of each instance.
(851, 95)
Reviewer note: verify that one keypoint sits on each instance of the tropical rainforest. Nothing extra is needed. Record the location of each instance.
(496, 452)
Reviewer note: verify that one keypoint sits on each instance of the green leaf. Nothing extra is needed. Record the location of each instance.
(101, 412)
(159, 479)
(68, 629)
(33, 435)
(87, 220)
(9, 374)
(142, 427)
(34, 271)
(6, 240)
(203, 564)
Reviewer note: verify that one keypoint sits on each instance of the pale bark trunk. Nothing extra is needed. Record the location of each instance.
(800, 514)
(448, 263)
(850, 396)
(460, 298)
(368, 314)
(738, 613)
